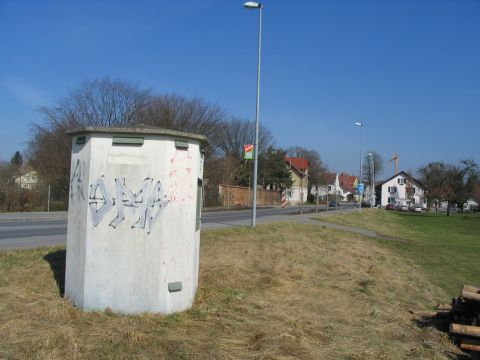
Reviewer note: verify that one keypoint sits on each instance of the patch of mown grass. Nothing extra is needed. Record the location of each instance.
(447, 248)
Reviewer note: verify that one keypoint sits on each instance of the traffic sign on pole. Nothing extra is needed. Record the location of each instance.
(361, 188)
(248, 152)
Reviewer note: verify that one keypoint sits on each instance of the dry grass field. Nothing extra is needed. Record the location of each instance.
(283, 291)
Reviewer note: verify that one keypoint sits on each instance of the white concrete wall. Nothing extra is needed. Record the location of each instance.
(125, 262)
(296, 195)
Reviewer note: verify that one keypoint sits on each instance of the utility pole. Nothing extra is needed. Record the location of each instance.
(301, 191)
(360, 196)
(48, 200)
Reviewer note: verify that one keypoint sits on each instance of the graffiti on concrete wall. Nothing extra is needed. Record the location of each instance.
(180, 170)
(77, 182)
(148, 201)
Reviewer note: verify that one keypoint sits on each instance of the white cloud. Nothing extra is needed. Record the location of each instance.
(27, 93)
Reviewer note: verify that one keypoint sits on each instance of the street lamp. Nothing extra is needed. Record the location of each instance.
(256, 5)
(361, 152)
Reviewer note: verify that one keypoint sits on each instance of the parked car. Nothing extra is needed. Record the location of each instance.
(390, 207)
(404, 207)
(417, 208)
(332, 203)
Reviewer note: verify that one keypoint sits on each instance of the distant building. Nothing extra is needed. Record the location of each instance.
(329, 185)
(28, 180)
(343, 186)
(299, 172)
(349, 185)
(402, 189)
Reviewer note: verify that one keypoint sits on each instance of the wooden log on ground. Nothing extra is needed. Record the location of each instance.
(465, 330)
(446, 307)
(432, 314)
(470, 345)
(471, 289)
(470, 295)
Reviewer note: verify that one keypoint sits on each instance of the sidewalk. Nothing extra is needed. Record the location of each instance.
(310, 219)
(63, 215)
(34, 216)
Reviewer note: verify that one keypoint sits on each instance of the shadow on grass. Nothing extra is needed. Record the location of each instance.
(443, 326)
(57, 260)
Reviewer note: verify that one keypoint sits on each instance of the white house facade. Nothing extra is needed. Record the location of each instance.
(333, 187)
(28, 180)
(402, 189)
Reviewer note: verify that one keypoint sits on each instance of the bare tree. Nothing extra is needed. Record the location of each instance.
(102, 102)
(180, 113)
(378, 165)
(197, 116)
(109, 102)
(238, 132)
(451, 183)
(230, 139)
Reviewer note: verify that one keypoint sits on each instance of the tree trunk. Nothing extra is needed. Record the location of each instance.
(448, 208)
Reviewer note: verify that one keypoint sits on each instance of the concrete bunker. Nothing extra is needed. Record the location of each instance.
(134, 214)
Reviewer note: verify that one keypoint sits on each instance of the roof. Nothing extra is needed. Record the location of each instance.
(328, 178)
(405, 175)
(298, 163)
(347, 187)
(345, 178)
(144, 130)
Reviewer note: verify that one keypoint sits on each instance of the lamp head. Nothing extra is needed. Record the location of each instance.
(252, 5)
(359, 124)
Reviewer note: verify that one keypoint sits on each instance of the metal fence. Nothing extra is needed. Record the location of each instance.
(14, 198)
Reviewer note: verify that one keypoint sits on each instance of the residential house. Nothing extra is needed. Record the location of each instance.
(343, 186)
(402, 189)
(299, 172)
(349, 185)
(328, 183)
(28, 180)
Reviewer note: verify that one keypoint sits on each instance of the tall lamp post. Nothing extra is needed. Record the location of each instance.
(259, 6)
(361, 153)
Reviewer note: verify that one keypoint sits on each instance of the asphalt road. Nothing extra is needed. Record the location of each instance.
(27, 233)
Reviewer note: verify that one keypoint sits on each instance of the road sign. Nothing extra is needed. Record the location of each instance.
(361, 188)
(284, 199)
(248, 152)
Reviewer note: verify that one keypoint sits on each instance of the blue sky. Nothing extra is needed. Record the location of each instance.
(408, 69)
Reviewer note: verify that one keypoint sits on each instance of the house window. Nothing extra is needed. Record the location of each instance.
(413, 201)
(413, 190)
(401, 181)
(391, 200)
(392, 189)
(329, 187)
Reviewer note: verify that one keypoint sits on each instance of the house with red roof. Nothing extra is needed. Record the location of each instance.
(299, 172)
(349, 185)
(341, 185)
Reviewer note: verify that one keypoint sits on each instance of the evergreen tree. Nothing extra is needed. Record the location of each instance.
(273, 170)
(17, 160)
